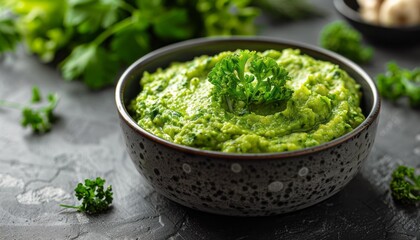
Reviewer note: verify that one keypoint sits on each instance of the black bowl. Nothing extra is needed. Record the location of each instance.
(349, 9)
(253, 184)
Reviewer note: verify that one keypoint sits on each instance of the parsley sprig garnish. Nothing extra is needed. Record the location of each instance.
(36, 115)
(244, 78)
(94, 198)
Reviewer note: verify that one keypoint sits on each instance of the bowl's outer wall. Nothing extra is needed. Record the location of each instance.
(248, 188)
(244, 188)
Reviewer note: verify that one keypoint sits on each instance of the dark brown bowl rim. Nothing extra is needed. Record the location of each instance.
(350, 13)
(125, 116)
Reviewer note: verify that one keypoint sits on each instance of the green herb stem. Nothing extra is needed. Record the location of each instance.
(127, 7)
(112, 30)
(11, 104)
(68, 206)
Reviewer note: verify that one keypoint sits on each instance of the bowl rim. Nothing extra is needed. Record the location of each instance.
(126, 117)
(353, 15)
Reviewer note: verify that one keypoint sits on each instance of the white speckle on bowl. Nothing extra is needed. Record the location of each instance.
(303, 171)
(236, 168)
(418, 137)
(275, 186)
(186, 168)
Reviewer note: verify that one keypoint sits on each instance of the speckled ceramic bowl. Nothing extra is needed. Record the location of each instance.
(245, 184)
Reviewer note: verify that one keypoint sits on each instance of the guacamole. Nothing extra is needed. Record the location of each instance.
(181, 105)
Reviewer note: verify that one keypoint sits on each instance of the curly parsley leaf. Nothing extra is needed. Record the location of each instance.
(271, 80)
(342, 39)
(9, 35)
(397, 82)
(405, 185)
(244, 78)
(95, 199)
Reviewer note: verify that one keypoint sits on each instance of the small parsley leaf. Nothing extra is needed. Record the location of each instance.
(93, 64)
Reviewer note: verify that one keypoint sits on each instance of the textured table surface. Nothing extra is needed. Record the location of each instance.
(39, 171)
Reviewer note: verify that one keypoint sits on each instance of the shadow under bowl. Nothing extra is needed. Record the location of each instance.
(402, 36)
(244, 184)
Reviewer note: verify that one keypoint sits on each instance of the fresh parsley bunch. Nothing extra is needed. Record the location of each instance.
(92, 40)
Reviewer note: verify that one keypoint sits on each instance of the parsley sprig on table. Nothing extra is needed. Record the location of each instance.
(343, 39)
(405, 185)
(94, 198)
(36, 115)
(244, 78)
(40, 119)
(399, 82)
